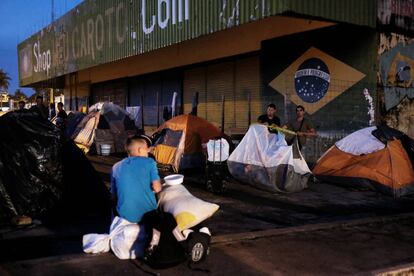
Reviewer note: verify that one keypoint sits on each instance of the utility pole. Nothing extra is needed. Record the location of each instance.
(51, 96)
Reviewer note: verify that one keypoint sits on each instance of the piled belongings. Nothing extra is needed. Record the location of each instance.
(264, 160)
(165, 240)
(178, 142)
(40, 176)
(105, 124)
(380, 158)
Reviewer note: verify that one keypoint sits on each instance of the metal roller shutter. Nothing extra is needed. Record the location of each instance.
(164, 84)
(247, 82)
(195, 81)
(235, 80)
(220, 82)
(114, 91)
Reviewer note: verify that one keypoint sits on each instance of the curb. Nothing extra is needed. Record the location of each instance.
(232, 238)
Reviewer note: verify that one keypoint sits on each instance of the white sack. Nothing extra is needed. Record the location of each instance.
(124, 239)
(95, 243)
(187, 209)
(214, 147)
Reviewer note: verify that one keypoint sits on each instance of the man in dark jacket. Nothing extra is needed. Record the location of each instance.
(270, 117)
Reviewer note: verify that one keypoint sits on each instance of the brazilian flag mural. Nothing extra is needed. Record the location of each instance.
(326, 71)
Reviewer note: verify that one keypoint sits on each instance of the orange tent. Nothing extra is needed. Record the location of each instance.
(179, 141)
(361, 158)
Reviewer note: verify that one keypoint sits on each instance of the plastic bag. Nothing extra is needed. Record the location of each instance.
(31, 179)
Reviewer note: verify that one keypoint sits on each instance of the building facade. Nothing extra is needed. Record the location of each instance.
(233, 56)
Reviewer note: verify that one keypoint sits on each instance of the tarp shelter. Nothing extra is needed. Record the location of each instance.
(375, 157)
(264, 160)
(31, 180)
(179, 140)
(106, 123)
(41, 175)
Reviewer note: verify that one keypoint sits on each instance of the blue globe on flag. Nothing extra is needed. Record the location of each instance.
(312, 80)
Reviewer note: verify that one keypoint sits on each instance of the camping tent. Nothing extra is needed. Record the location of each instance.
(264, 160)
(377, 157)
(179, 140)
(73, 119)
(106, 123)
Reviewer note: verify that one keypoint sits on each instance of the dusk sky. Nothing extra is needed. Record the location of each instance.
(20, 19)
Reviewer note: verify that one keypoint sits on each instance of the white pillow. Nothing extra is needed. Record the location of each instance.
(187, 209)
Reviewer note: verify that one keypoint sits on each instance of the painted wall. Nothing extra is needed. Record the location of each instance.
(396, 81)
(324, 70)
(327, 71)
(396, 15)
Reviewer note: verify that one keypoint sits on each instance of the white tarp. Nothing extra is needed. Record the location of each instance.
(261, 148)
(360, 142)
(265, 160)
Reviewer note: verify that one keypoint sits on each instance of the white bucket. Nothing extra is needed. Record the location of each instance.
(105, 149)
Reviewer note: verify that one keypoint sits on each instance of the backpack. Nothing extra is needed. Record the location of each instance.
(164, 250)
(197, 246)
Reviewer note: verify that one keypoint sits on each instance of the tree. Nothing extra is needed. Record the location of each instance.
(4, 80)
(19, 96)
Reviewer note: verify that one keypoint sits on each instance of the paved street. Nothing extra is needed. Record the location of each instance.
(324, 230)
(80, 79)
(346, 249)
(244, 209)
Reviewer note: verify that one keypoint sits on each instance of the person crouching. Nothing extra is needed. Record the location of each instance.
(134, 182)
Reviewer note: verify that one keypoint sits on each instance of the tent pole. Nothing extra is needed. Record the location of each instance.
(222, 113)
(142, 113)
(76, 92)
(158, 109)
(249, 109)
(195, 104)
(70, 92)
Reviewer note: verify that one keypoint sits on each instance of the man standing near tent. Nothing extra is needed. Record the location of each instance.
(40, 108)
(61, 116)
(302, 126)
(269, 117)
(134, 180)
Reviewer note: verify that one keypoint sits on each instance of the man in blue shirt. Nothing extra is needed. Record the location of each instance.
(134, 181)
